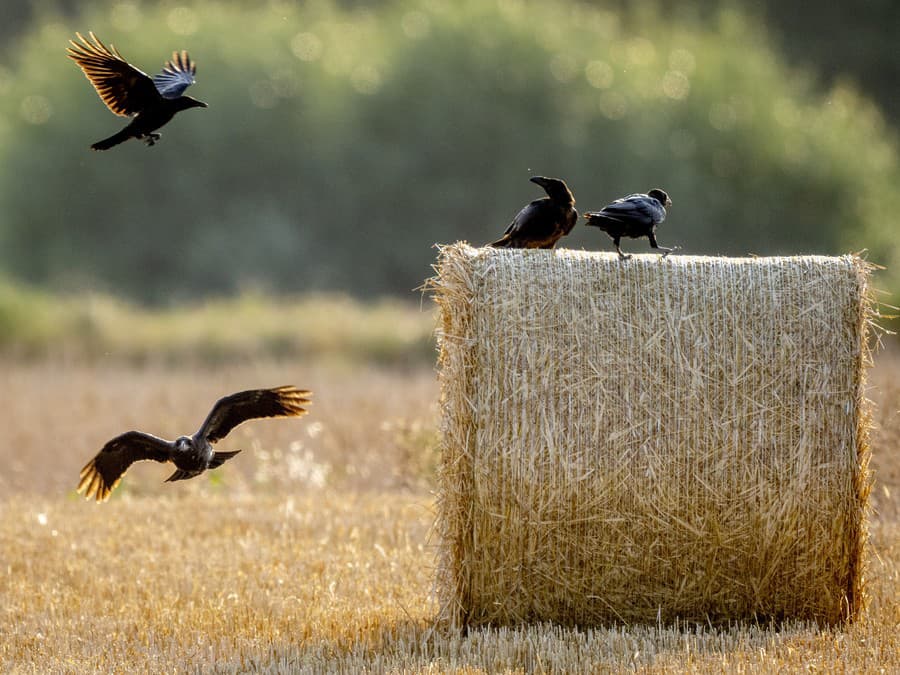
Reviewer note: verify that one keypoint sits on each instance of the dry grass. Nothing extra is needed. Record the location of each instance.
(676, 438)
(326, 567)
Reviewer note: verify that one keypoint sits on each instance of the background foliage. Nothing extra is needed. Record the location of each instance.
(342, 141)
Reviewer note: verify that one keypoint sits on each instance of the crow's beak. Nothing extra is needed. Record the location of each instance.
(539, 180)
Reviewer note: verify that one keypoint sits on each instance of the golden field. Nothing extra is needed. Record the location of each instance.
(312, 550)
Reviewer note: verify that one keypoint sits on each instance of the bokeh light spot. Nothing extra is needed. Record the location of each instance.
(599, 74)
(676, 85)
(307, 46)
(182, 21)
(125, 16)
(36, 109)
(683, 60)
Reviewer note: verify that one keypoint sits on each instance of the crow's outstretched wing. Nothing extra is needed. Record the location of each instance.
(103, 473)
(230, 411)
(176, 76)
(123, 88)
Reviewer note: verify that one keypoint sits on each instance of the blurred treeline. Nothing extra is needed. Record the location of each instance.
(343, 139)
(37, 325)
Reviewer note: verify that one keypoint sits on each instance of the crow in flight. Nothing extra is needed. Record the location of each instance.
(191, 455)
(542, 222)
(633, 216)
(130, 92)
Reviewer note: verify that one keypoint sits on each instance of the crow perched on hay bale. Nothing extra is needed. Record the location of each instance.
(192, 455)
(130, 92)
(542, 222)
(633, 216)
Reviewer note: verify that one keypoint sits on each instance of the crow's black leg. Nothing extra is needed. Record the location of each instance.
(151, 138)
(622, 256)
(666, 251)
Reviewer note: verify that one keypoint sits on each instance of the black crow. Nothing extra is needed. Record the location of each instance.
(633, 216)
(130, 92)
(191, 455)
(542, 222)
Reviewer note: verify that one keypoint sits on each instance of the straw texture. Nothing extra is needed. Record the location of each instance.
(651, 439)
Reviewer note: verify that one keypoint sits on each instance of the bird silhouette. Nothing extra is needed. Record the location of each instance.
(543, 222)
(129, 92)
(191, 455)
(633, 216)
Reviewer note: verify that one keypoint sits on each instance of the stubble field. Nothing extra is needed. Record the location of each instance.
(312, 550)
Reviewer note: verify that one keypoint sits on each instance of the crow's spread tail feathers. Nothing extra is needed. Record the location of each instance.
(219, 458)
(181, 474)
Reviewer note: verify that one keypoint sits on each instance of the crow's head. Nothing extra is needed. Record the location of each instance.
(183, 444)
(660, 196)
(555, 188)
(190, 102)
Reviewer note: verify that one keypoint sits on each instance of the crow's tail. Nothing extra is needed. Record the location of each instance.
(504, 242)
(181, 474)
(600, 220)
(220, 458)
(115, 139)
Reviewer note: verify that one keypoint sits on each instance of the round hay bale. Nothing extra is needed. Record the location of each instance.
(651, 439)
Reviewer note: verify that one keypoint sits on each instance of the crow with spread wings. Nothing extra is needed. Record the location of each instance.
(191, 455)
(633, 216)
(129, 92)
(543, 222)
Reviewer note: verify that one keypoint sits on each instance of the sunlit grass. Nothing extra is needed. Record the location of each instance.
(330, 581)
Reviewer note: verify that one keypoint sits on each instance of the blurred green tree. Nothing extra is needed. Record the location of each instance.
(835, 44)
(342, 142)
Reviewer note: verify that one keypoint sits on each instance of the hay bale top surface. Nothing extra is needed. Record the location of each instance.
(625, 440)
(675, 260)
